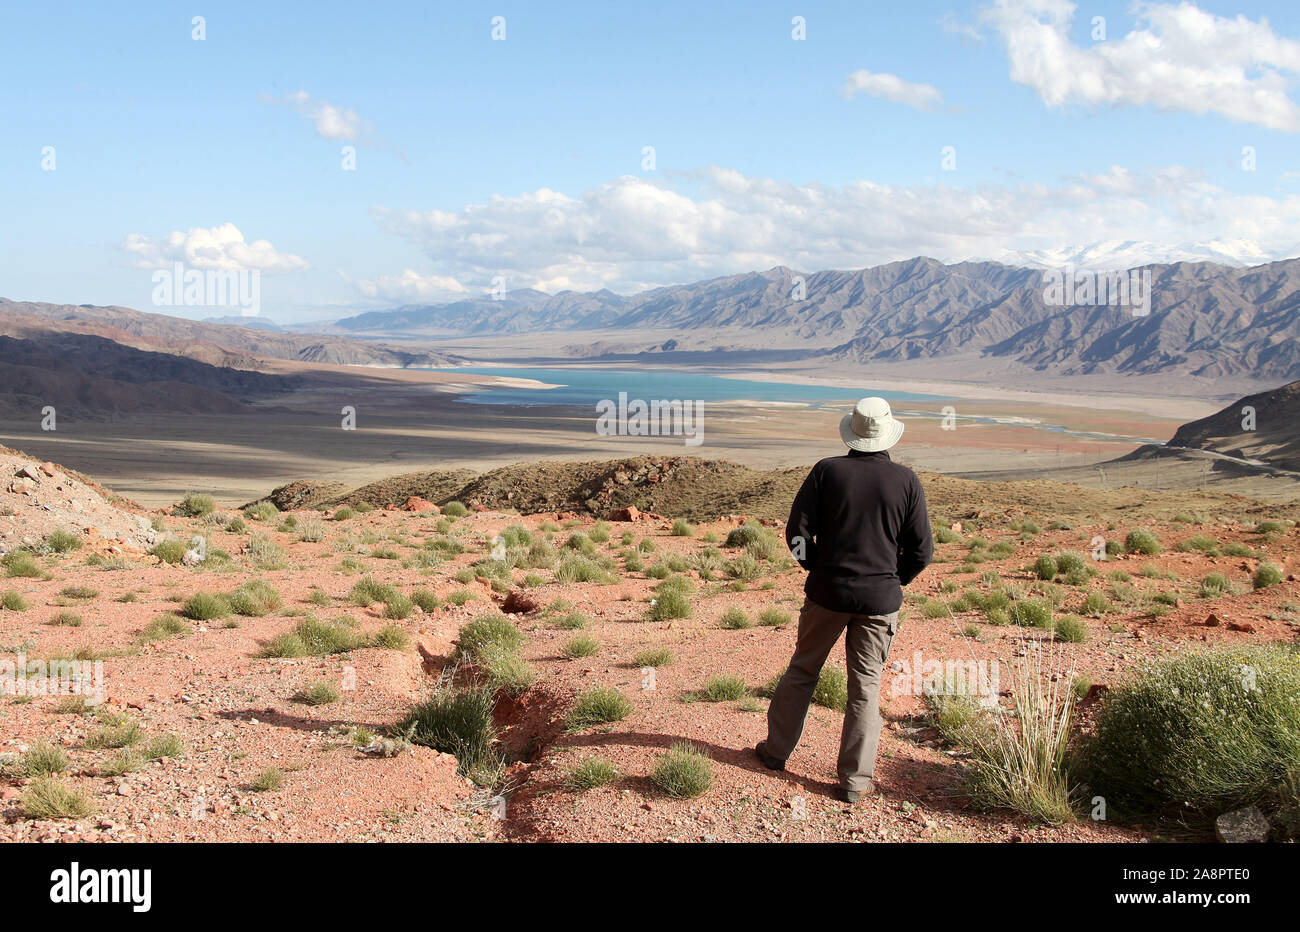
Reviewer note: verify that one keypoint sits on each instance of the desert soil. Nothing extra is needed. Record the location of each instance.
(235, 713)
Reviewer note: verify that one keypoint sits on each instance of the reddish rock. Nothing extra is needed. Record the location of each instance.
(630, 513)
(518, 602)
(478, 506)
(415, 503)
(1095, 690)
(1213, 621)
(1244, 626)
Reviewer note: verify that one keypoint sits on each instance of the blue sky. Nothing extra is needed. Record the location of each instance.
(523, 158)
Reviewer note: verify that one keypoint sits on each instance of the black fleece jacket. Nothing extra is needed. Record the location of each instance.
(859, 526)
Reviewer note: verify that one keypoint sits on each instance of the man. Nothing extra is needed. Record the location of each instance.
(859, 527)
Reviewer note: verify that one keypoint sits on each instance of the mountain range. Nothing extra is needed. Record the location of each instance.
(1203, 319)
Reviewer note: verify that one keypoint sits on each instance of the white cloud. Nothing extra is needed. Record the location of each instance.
(631, 233)
(410, 286)
(331, 122)
(222, 248)
(1177, 57)
(892, 87)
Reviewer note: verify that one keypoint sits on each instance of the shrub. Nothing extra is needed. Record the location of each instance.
(1215, 585)
(311, 530)
(1266, 575)
(487, 633)
(1207, 732)
(1046, 567)
(1096, 603)
(669, 604)
(390, 637)
(455, 510)
(320, 638)
(262, 511)
(1031, 612)
(47, 798)
(773, 617)
(67, 620)
(114, 735)
(124, 761)
(724, 688)
(44, 760)
(735, 619)
(426, 600)
(653, 657)
(21, 563)
(743, 536)
(319, 693)
(62, 541)
(582, 645)
(1200, 543)
(683, 772)
(1070, 629)
(744, 567)
(344, 514)
(505, 670)
(598, 706)
(580, 569)
(1020, 763)
(164, 626)
(164, 746)
(832, 690)
(458, 721)
(1141, 541)
(960, 720)
(600, 532)
(1072, 562)
(13, 601)
(398, 607)
(255, 598)
(264, 552)
(205, 606)
(268, 781)
(460, 597)
(945, 535)
(169, 551)
(570, 621)
(195, 505)
(590, 773)
(682, 529)
(78, 592)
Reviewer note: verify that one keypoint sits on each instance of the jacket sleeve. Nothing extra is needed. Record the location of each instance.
(915, 543)
(801, 529)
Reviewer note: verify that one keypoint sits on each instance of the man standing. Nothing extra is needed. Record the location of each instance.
(859, 527)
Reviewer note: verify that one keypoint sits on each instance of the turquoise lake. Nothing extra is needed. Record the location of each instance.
(587, 387)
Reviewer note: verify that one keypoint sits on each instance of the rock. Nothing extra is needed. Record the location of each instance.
(518, 602)
(1095, 690)
(955, 526)
(1213, 620)
(1242, 826)
(416, 503)
(630, 513)
(1244, 626)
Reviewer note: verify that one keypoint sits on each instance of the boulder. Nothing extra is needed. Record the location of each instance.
(1242, 826)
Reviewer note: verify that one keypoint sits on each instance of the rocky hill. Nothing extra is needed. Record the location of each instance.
(1268, 432)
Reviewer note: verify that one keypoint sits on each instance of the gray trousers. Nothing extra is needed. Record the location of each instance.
(866, 650)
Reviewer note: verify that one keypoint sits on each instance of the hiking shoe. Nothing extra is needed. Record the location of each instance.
(852, 796)
(767, 760)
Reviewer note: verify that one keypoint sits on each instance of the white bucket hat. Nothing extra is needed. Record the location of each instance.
(871, 427)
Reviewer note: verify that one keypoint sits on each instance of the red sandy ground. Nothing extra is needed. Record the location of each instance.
(235, 713)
